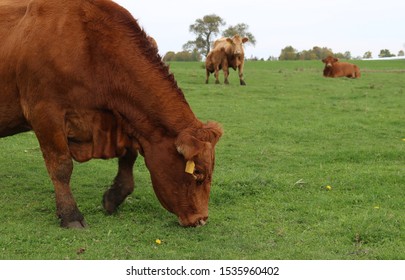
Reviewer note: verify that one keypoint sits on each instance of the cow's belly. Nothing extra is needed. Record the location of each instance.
(94, 134)
(12, 120)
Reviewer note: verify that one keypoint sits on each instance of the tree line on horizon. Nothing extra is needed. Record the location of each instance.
(316, 53)
(209, 26)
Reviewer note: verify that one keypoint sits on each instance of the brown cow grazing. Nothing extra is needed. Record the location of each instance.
(84, 77)
(334, 68)
(227, 52)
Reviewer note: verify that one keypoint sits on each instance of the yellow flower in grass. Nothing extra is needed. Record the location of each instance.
(158, 241)
(329, 188)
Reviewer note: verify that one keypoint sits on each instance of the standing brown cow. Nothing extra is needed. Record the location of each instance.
(334, 68)
(227, 52)
(83, 75)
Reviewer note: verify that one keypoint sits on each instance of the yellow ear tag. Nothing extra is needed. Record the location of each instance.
(190, 167)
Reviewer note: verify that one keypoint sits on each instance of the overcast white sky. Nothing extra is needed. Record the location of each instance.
(342, 25)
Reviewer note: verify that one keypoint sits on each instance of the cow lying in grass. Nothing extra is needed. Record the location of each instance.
(334, 68)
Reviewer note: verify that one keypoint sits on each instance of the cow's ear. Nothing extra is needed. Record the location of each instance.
(229, 40)
(245, 39)
(188, 145)
(335, 59)
(211, 132)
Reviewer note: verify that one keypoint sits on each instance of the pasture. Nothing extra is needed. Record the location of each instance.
(308, 168)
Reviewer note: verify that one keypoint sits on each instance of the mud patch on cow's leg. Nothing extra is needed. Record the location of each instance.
(123, 184)
(66, 207)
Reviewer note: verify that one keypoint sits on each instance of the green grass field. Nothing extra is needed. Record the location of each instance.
(308, 168)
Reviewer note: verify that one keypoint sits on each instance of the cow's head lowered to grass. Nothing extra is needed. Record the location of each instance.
(182, 177)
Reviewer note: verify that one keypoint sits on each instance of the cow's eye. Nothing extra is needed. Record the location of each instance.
(199, 176)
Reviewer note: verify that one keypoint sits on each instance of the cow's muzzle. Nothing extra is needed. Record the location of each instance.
(197, 223)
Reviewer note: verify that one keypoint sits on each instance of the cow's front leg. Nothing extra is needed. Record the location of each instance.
(207, 75)
(216, 74)
(60, 170)
(53, 143)
(226, 75)
(241, 79)
(123, 184)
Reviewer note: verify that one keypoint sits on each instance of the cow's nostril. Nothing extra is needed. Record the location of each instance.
(197, 223)
(201, 223)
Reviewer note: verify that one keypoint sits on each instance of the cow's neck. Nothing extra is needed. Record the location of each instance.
(140, 87)
(153, 106)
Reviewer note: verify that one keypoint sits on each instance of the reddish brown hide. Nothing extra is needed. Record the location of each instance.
(227, 52)
(334, 68)
(85, 78)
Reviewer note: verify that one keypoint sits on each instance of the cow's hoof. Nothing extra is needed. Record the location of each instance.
(217, 82)
(242, 83)
(110, 202)
(76, 224)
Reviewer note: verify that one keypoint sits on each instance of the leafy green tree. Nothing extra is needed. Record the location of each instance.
(242, 30)
(321, 53)
(339, 55)
(314, 54)
(288, 53)
(169, 56)
(306, 55)
(367, 55)
(385, 53)
(401, 53)
(182, 56)
(347, 55)
(205, 29)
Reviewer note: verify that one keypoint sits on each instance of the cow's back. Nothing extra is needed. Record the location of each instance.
(43, 42)
(50, 39)
(219, 43)
(345, 69)
(223, 43)
(11, 13)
